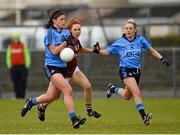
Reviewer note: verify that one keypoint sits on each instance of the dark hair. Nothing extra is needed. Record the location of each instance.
(53, 15)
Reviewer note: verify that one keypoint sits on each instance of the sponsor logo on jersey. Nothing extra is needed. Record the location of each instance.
(132, 54)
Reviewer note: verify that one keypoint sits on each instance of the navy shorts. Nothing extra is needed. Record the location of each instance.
(50, 70)
(130, 72)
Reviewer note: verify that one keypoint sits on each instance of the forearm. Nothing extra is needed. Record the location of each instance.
(57, 49)
(155, 53)
(104, 52)
(86, 50)
(159, 56)
(89, 50)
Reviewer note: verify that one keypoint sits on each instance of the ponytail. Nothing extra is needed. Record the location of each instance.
(53, 15)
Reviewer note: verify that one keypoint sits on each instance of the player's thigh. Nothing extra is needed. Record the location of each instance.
(80, 79)
(132, 86)
(59, 81)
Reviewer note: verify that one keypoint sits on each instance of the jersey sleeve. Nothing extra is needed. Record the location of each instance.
(27, 56)
(112, 49)
(8, 57)
(66, 33)
(49, 38)
(146, 44)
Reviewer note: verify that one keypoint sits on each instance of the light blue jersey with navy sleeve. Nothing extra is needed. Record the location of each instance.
(56, 38)
(129, 52)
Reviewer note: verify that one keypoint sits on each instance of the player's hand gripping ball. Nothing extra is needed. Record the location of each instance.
(67, 54)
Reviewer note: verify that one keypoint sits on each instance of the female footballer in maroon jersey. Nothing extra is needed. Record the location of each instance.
(74, 74)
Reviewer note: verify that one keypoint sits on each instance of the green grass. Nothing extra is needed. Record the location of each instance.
(118, 116)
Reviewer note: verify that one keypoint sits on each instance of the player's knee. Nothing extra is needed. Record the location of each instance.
(68, 91)
(128, 97)
(138, 94)
(87, 86)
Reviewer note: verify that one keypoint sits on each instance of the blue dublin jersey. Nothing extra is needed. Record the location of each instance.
(129, 52)
(56, 38)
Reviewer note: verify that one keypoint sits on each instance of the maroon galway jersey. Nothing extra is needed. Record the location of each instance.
(71, 66)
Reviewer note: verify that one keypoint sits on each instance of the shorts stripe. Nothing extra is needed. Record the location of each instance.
(47, 72)
(124, 74)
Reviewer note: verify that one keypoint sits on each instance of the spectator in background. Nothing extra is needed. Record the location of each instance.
(18, 61)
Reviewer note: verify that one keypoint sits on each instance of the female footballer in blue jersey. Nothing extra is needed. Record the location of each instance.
(129, 48)
(74, 74)
(56, 38)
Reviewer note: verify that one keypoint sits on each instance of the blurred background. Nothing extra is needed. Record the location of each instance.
(102, 21)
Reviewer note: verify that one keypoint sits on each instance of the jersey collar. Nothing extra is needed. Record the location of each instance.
(56, 29)
(124, 36)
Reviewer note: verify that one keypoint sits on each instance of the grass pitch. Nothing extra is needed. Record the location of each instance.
(118, 117)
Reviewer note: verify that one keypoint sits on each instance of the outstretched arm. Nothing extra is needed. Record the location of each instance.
(155, 53)
(89, 50)
(86, 50)
(159, 56)
(96, 50)
(104, 52)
